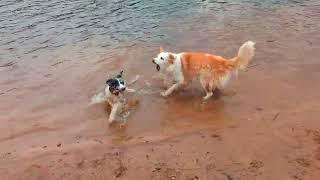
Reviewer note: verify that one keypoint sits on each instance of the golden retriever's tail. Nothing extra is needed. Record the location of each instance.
(245, 54)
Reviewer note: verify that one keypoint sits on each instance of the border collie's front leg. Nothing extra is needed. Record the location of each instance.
(130, 90)
(113, 112)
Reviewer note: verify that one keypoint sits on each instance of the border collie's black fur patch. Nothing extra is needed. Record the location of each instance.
(115, 84)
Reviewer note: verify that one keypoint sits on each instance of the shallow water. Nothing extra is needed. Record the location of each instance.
(61, 52)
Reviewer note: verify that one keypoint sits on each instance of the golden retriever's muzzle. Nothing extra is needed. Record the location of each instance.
(157, 65)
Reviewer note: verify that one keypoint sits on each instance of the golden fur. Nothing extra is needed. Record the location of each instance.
(214, 71)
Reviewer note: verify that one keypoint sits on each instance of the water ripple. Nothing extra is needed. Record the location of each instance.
(34, 25)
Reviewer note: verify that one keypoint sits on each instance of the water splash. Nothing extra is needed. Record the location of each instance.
(98, 98)
(101, 96)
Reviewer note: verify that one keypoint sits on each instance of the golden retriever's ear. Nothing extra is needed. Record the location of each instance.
(170, 59)
(161, 49)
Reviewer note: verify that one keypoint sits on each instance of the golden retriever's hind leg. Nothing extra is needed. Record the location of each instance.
(210, 91)
(208, 95)
(207, 86)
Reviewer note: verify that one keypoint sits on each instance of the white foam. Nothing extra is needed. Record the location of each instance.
(134, 80)
(98, 98)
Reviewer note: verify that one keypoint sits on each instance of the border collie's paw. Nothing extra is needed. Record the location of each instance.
(164, 94)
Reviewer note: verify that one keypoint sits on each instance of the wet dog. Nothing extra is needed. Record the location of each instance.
(214, 71)
(114, 94)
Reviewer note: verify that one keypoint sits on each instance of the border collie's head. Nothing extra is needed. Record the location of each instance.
(116, 85)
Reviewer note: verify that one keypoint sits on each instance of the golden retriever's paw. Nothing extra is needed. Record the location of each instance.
(123, 125)
(111, 120)
(208, 95)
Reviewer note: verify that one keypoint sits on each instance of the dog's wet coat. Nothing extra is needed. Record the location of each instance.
(114, 93)
(117, 84)
(213, 71)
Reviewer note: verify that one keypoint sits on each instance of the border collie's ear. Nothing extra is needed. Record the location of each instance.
(120, 74)
(161, 49)
(171, 59)
(108, 81)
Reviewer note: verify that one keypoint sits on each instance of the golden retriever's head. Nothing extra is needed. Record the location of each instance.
(163, 59)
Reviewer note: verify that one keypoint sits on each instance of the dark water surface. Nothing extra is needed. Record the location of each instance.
(54, 55)
(29, 28)
(32, 28)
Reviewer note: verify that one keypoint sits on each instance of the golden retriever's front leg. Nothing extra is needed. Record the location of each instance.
(168, 82)
(171, 89)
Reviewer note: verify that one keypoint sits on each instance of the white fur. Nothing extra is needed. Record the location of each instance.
(174, 69)
(115, 101)
(98, 98)
(223, 81)
(245, 54)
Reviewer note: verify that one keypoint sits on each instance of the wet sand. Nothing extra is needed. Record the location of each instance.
(269, 129)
